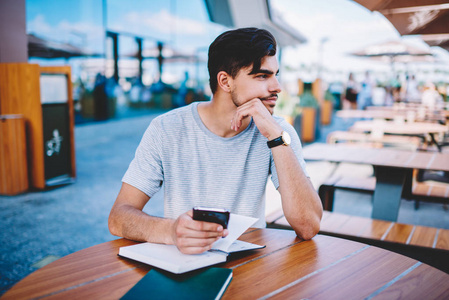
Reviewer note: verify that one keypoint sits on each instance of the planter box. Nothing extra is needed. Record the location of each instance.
(326, 112)
(306, 124)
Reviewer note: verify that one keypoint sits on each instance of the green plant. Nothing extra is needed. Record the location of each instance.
(307, 99)
(328, 97)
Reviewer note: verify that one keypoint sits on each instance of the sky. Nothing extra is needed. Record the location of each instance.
(333, 28)
(345, 27)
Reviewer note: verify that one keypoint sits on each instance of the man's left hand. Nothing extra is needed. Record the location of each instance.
(262, 118)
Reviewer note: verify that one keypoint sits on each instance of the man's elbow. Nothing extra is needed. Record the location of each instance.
(113, 224)
(307, 230)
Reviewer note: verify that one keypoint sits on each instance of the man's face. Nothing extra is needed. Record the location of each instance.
(263, 84)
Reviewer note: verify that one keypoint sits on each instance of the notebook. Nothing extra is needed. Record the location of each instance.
(169, 258)
(201, 284)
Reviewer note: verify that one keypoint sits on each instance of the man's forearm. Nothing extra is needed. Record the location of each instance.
(301, 204)
(131, 223)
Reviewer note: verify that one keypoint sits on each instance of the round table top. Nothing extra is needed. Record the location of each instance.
(324, 267)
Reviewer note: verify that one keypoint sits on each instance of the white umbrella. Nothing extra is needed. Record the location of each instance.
(395, 51)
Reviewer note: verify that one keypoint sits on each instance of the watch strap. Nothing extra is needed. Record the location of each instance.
(275, 142)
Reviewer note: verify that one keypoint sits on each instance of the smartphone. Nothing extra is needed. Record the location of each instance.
(214, 215)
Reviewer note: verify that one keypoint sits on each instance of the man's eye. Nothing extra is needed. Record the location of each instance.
(262, 76)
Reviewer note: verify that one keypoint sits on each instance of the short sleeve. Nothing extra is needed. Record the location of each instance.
(145, 171)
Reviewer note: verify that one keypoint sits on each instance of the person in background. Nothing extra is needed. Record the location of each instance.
(365, 97)
(430, 96)
(396, 88)
(220, 154)
(351, 92)
(412, 93)
(336, 89)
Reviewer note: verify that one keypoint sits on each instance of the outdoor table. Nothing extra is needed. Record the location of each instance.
(392, 114)
(394, 169)
(288, 268)
(411, 129)
(370, 114)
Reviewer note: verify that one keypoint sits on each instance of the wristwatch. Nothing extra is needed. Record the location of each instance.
(284, 139)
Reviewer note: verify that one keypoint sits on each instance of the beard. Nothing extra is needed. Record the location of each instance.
(234, 99)
(237, 102)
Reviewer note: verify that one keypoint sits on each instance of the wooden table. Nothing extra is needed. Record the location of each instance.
(422, 129)
(415, 128)
(391, 114)
(394, 169)
(288, 268)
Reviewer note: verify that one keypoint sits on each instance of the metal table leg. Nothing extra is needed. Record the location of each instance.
(390, 183)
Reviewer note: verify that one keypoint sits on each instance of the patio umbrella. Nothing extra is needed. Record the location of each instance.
(394, 52)
(424, 17)
(440, 40)
(413, 16)
(39, 47)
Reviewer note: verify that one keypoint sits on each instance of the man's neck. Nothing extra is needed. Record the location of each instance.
(217, 114)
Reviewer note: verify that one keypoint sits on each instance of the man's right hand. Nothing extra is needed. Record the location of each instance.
(194, 237)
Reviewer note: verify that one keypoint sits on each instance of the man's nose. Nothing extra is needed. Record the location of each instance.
(275, 86)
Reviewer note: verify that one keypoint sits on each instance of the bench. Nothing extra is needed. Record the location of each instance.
(421, 191)
(427, 244)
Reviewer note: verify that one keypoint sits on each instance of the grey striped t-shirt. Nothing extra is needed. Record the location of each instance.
(198, 167)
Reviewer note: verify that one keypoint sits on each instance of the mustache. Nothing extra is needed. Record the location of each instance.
(268, 97)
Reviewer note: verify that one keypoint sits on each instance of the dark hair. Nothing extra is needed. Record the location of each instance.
(237, 49)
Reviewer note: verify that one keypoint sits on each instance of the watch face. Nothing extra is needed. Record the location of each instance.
(286, 138)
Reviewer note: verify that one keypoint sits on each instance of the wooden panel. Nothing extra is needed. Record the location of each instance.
(272, 217)
(443, 239)
(282, 221)
(324, 267)
(251, 281)
(357, 277)
(101, 289)
(74, 269)
(430, 283)
(376, 156)
(333, 222)
(375, 229)
(326, 214)
(367, 183)
(423, 236)
(13, 156)
(399, 233)
(441, 162)
(420, 188)
(354, 226)
(20, 94)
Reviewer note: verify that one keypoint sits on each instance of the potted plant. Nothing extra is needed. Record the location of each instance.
(306, 122)
(327, 108)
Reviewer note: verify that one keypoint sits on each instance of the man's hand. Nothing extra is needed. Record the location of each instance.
(262, 117)
(194, 237)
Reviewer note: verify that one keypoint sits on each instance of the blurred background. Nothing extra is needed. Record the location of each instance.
(129, 61)
(153, 54)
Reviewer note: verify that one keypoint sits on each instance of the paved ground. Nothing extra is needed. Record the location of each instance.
(41, 226)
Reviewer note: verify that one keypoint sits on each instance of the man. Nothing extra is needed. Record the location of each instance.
(216, 154)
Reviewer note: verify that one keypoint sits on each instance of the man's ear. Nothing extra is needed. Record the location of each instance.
(224, 81)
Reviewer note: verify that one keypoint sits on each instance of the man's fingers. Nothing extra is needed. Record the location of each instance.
(194, 250)
(250, 108)
(193, 236)
(196, 242)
